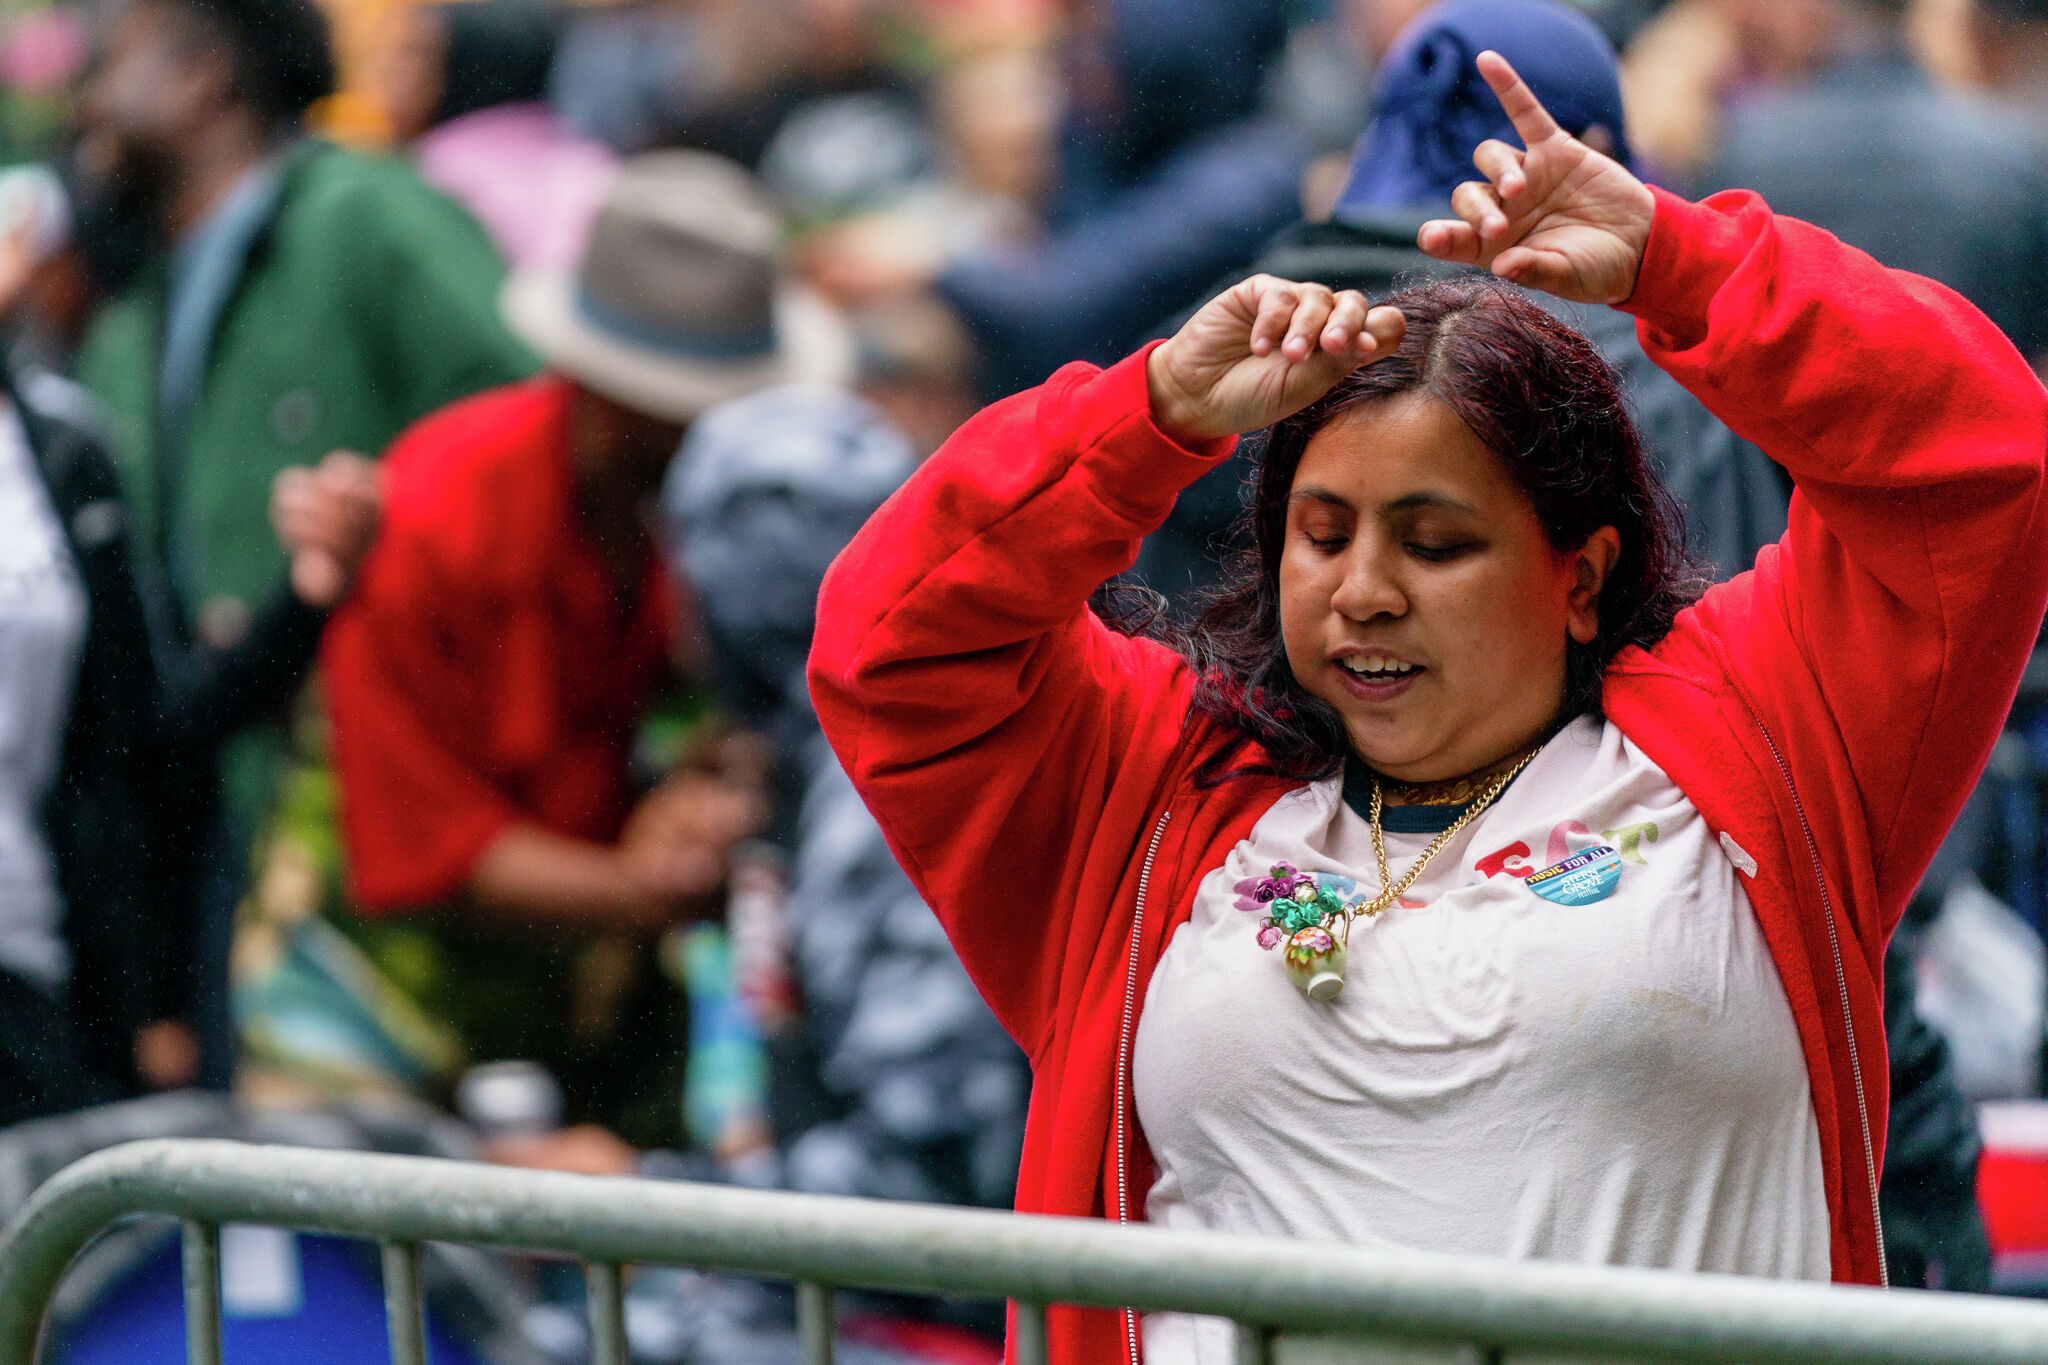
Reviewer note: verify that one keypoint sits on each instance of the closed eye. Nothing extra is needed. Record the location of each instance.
(1442, 554)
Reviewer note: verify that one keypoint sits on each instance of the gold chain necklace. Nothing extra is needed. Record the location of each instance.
(1301, 913)
(1390, 892)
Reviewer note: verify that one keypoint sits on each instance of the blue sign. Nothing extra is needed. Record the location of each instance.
(1580, 879)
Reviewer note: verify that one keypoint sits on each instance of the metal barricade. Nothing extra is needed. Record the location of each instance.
(1295, 1303)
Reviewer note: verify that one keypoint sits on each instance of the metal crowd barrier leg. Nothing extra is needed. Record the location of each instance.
(404, 1305)
(202, 1293)
(1030, 1333)
(814, 1322)
(604, 1286)
(1254, 1344)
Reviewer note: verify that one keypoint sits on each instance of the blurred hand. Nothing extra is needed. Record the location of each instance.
(167, 1054)
(739, 755)
(326, 519)
(1261, 351)
(678, 841)
(17, 267)
(1559, 217)
(866, 259)
(583, 1150)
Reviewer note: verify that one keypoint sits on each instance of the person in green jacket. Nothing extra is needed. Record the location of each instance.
(299, 298)
(306, 297)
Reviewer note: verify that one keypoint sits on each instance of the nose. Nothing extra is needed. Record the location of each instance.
(1369, 587)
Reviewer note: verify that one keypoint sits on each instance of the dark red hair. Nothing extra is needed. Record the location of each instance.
(1540, 397)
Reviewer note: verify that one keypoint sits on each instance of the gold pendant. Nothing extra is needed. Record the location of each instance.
(1315, 962)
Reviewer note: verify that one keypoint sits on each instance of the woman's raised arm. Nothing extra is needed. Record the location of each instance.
(1883, 639)
(1002, 736)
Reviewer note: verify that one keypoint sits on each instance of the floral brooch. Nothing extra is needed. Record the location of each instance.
(1301, 911)
(1292, 901)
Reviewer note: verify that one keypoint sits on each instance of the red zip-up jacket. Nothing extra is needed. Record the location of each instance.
(1827, 712)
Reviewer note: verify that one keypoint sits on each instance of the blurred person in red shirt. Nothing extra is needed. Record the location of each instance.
(488, 678)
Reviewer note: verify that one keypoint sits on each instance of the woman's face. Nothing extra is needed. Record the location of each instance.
(1409, 553)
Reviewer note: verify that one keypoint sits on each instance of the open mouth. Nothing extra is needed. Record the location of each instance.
(1376, 677)
(1377, 668)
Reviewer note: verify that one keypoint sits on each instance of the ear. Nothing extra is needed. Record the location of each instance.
(1590, 567)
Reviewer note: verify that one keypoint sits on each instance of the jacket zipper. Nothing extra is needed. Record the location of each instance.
(1884, 1276)
(1123, 1063)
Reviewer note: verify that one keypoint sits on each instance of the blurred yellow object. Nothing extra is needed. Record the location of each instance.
(352, 115)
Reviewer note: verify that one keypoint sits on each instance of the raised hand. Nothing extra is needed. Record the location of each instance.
(1559, 217)
(1260, 351)
(679, 839)
(326, 518)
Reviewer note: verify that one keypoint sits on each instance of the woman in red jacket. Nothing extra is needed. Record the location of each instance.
(1457, 885)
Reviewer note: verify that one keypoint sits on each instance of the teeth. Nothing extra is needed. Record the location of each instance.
(1375, 663)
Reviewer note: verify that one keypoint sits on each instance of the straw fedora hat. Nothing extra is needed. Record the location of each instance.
(677, 303)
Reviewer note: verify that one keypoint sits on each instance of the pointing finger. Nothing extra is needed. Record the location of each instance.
(1502, 165)
(1524, 110)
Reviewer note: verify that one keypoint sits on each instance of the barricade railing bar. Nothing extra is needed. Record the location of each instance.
(1293, 1301)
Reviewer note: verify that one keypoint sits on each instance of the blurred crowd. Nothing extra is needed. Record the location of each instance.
(427, 426)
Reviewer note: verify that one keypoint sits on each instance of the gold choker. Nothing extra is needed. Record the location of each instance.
(1451, 791)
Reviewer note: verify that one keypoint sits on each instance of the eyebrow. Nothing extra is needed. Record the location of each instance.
(1408, 503)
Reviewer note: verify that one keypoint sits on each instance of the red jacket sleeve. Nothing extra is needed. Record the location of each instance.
(415, 814)
(1883, 639)
(1000, 733)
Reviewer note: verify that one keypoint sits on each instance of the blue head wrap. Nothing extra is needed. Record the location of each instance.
(1431, 107)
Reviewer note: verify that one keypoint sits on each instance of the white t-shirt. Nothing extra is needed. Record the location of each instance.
(42, 628)
(1598, 1066)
